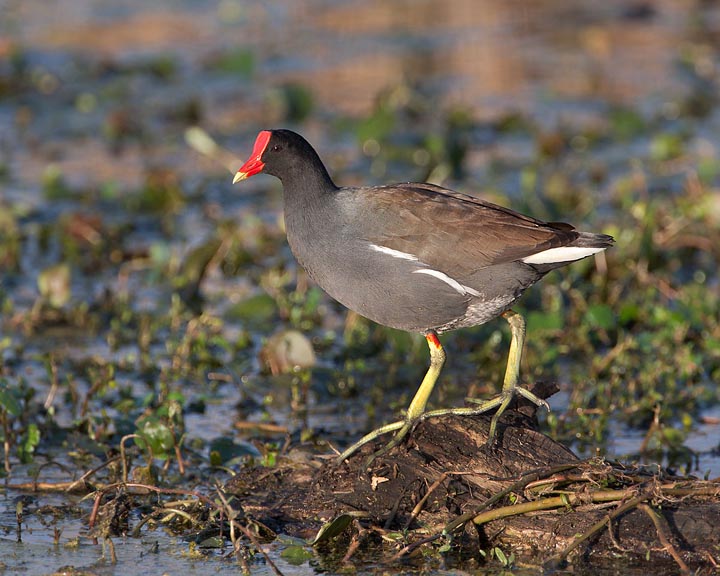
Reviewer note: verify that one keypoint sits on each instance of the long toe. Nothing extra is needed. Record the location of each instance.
(399, 425)
(525, 393)
(501, 402)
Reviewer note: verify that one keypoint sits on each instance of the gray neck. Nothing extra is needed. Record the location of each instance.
(306, 185)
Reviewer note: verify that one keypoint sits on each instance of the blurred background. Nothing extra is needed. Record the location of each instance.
(100, 80)
(136, 277)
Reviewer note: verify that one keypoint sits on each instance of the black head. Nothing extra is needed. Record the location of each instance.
(282, 153)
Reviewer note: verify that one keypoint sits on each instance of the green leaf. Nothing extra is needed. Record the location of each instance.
(158, 436)
(255, 312)
(501, 556)
(666, 147)
(240, 61)
(626, 123)
(225, 451)
(376, 126)
(212, 542)
(629, 312)
(195, 263)
(8, 401)
(31, 441)
(296, 101)
(537, 321)
(336, 526)
(296, 555)
(601, 316)
(708, 169)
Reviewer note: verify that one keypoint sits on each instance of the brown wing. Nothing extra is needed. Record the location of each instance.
(445, 228)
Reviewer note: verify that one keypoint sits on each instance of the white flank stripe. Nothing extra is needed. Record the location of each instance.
(449, 281)
(394, 253)
(565, 254)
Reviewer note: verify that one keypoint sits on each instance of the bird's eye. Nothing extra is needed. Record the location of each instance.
(276, 148)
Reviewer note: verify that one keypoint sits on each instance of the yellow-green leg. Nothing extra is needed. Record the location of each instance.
(512, 376)
(416, 408)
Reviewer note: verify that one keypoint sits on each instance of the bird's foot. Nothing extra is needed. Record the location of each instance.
(414, 411)
(501, 402)
(403, 427)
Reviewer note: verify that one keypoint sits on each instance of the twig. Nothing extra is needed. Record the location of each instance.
(555, 480)
(419, 506)
(711, 559)
(410, 547)
(111, 545)
(170, 512)
(96, 507)
(524, 480)
(79, 485)
(203, 143)
(180, 461)
(611, 535)
(553, 502)
(7, 435)
(461, 520)
(652, 430)
(50, 398)
(83, 479)
(265, 427)
(231, 514)
(663, 532)
(600, 525)
(703, 491)
(393, 513)
(124, 457)
(246, 531)
(53, 487)
(357, 540)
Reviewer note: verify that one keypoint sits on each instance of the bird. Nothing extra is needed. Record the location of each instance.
(416, 257)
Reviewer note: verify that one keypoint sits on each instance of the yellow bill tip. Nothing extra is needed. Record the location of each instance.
(239, 176)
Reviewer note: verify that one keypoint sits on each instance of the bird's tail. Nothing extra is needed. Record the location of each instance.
(591, 240)
(584, 245)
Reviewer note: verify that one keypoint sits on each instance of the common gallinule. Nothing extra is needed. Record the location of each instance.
(416, 257)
